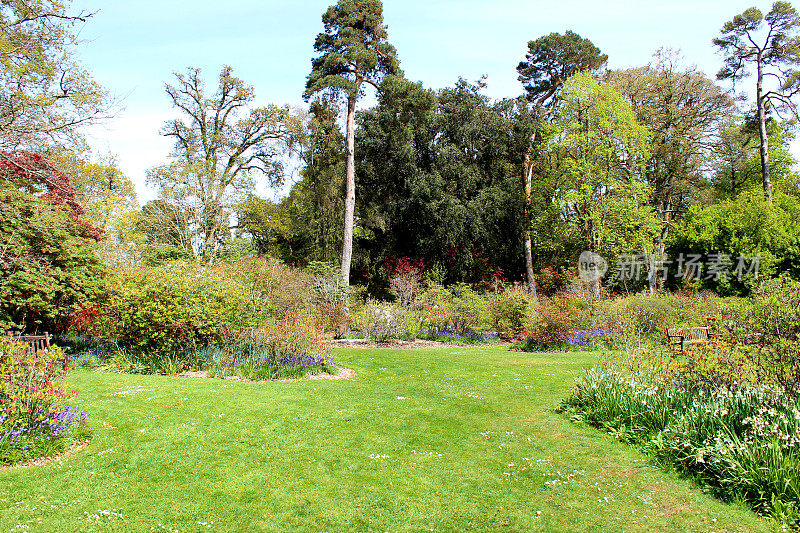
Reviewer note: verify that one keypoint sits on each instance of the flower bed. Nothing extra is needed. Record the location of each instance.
(570, 340)
(742, 441)
(34, 421)
(455, 337)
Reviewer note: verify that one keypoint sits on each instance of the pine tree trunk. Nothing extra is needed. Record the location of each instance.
(527, 171)
(762, 133)
(350, 198)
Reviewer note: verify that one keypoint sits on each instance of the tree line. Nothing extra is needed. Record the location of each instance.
(618, 162)
(656, 161)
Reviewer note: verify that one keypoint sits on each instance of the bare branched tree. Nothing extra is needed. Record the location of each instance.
(221, 144)
(769, 44)
(45, 95)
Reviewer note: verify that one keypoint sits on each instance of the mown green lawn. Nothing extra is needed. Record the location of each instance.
(449, 439)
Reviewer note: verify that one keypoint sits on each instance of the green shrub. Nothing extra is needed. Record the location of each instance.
(34, 421)
(49, 266)
(457, 309)
(747, 226)
(552, 281)
(165, 254)
(163, 309)
(712, 365)
(270, 288)
(510, 312)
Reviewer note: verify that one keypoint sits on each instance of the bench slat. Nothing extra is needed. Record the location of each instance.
(34, 342)
(684, 336)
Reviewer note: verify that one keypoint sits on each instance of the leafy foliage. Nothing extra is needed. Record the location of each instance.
(554, 58)
(510, 313)
(46, 258)
(164, 308)
(438, 175)
(47, 95)
(744, 226)
(774, 52)
(352, 49)
(218, 149)
(600, 151)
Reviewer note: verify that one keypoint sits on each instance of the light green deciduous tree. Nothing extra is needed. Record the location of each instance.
(602, 151)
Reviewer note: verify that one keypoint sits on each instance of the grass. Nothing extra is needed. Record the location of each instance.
(451, 439)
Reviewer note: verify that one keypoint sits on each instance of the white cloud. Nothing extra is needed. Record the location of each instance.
(133, 138)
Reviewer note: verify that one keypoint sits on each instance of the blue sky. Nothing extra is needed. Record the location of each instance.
(133, 47)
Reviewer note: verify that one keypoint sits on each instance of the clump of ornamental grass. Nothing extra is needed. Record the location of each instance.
(742, 441)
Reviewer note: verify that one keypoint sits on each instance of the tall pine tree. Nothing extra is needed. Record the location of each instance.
(353, 50)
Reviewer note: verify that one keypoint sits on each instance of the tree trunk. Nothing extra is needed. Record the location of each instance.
(762, 133)
(527, 172)
(594, 244)
(350, 197)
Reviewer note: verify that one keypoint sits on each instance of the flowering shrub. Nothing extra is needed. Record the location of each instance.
(384, 322)
(550, 281)
(288, 348)
(709, 366)
(330, 299)
(553, 324)
(332, 318)
(405, 279)
(510, 311)
(457, 309)
(33, 418)
(594, 339)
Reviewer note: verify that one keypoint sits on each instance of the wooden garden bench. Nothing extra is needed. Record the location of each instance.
(685, 336)
(35, 342)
